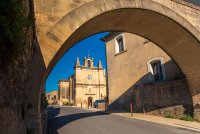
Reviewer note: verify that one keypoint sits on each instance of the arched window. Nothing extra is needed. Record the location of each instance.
(88, 64)
(156, 69)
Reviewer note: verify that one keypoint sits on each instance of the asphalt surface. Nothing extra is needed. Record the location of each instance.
(70, 120)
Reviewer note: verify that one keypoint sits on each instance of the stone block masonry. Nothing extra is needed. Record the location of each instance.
(20, 81)
(168, 98)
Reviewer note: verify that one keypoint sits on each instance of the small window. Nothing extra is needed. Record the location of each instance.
(120, 43)
(157, 70)
(119, 46)
(89, 64)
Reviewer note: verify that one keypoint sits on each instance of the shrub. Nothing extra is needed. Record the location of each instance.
(187, 118)
(44, 101)
(71, 104)
(68, 104)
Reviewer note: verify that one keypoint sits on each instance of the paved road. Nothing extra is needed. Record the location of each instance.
(70, 120)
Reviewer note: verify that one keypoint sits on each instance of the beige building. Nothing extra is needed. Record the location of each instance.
(63, 92)
(135, 61)
(86, 85)
(52, 97)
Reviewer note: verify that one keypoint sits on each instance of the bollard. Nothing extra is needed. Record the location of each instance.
(131, 108)
(105, 107)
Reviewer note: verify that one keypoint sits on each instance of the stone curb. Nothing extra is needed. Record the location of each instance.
(163, 123)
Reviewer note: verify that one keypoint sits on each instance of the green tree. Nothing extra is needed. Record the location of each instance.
(44, 101)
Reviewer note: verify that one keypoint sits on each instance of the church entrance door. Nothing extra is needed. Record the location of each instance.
(89, 101)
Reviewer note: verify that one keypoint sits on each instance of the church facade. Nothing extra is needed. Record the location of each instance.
(87, 84)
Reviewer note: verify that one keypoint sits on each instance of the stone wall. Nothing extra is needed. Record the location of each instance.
(165, 98)
(51, 14)
(14, 94)
(19, 92)
(13, 100)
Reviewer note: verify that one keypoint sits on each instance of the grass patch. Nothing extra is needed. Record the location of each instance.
(187, 118)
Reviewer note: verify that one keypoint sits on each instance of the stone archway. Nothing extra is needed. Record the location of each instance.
(166, 22)
(169, 30)
(152, 20)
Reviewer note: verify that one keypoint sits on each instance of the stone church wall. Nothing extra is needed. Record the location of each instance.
(166, 98)
(90, 83)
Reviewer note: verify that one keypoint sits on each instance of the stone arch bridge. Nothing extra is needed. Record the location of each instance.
(172, 24)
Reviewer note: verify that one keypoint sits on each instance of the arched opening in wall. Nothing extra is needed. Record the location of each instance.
(89, 64)
(141, 72)
(80, 74)
(156, 69)
(90, 102)
(176, 36)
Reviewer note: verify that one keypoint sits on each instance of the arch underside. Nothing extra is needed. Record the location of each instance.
(176, 36)
(174, 39)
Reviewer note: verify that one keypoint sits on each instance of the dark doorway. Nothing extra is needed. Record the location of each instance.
(89, 101)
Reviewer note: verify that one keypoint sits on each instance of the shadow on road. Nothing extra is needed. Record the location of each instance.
(56, 123)
(63, 120)
(52, 112)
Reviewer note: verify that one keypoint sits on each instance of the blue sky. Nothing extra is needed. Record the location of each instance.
(65, 66)
(196, 2)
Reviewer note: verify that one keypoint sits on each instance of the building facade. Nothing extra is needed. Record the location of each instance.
(87, 84)
(138, 71)
(63, 92)
(52, 97)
